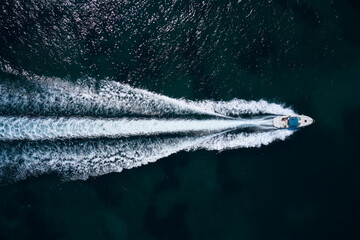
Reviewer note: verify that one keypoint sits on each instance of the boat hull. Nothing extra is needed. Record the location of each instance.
(292, 122)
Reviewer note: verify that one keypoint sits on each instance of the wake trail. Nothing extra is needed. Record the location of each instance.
(92, 127)
(81, 159)
(41, 96)
(25, 128)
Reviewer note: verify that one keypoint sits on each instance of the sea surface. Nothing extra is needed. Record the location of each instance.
(152, 119)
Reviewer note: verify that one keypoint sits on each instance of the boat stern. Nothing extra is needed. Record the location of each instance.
(281, 122)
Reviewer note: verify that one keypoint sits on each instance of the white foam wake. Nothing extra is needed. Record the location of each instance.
(25, 128)
(43, 96)
(238, 107)
(89, 128)
(77, 159)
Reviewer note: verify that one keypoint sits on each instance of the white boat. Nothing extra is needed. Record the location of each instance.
(292, 122)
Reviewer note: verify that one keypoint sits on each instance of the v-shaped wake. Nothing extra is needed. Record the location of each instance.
(90, 128)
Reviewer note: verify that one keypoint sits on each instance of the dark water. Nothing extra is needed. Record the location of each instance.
(302, 53)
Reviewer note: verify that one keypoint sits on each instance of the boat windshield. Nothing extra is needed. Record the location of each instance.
(293, 122)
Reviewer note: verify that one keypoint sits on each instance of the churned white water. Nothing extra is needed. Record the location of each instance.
(112, 99)
(82, 159)
(24, 128)
(90, 128)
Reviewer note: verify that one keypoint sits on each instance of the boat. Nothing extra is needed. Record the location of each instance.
(292, 122)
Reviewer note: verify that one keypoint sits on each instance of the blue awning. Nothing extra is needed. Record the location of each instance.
(293, 122)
